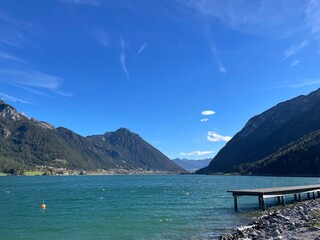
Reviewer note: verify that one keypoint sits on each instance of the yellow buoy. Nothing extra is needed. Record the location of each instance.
(43, 206)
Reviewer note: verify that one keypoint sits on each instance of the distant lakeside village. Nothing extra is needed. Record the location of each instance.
(59, 171)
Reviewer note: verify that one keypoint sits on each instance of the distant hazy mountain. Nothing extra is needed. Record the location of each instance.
(267, 133)
(28, 142)
(192, 165)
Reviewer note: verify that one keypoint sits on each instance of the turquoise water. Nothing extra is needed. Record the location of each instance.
(127, 206)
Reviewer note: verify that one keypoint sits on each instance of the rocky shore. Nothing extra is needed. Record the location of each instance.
(300, 221)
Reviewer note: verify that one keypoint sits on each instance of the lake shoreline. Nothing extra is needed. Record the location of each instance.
(52, 171)
(298, 221)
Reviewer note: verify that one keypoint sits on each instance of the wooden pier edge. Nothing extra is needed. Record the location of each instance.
(278, 192)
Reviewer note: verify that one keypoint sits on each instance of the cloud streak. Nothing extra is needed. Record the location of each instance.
(196, 153)
(101, 37)
(294, 50)
(95, 3)
(215, 137)
(204, 119)
(305, 83)
(312, 18)
(258, 17)
(142, 48)
(10, 57)
(31, 79)
(222, 69)
(15, 32)
(9, 98)
(217, 58)
(122, 59)
(295, 63)
(207, 112)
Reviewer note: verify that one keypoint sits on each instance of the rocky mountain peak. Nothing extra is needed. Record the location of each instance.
(43, 124)
(6, 111)
(123, 130)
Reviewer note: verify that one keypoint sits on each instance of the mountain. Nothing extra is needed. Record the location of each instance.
(191, 165)
(300, 158)
(26, 143)
(129, 149)
(266, 133)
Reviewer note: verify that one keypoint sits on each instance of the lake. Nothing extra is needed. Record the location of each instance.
(128, 206)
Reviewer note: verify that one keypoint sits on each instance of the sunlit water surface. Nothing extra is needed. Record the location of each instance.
(128, 206)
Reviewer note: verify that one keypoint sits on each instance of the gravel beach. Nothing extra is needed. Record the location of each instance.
(299, 221)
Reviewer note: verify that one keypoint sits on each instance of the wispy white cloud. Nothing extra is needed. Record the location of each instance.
(9, 98)
(305, 83)
(295, 62)
(95, 3)
(207, 112)
(217, 57)
(33, 79)
(15, 32)
(215, 137)
(122, 58)
(10, 57)
(204, 119)
(294, 50)
(312, 12)
(31, 90)
(142, 48)
(9, 32)
(30, 78)
(259, 17)
(101, 37)
(222, 69)
(196, 153)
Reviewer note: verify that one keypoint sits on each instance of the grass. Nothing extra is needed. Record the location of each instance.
(33, 173)
(2, 174)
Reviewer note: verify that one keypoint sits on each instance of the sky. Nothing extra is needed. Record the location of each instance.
(186, 75)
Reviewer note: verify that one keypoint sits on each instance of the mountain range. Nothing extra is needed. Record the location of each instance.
(192, 165)
(27, 142)
(283, 140)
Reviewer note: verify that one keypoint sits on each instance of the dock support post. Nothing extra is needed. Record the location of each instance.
(308, 195)
(314, 195)
(283, 201)
(295, 197)
(263, 204)
(318, 194)
(235, 202)
(278, 200)
(300, 199)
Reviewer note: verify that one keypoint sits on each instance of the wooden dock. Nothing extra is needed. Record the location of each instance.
(277, 192)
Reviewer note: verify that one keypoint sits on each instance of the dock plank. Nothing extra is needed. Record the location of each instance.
(263, 193)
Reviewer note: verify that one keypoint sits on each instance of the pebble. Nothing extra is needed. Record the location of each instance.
(293, 223)
(275, 233)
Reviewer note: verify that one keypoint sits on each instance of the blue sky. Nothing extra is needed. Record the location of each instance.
(186, 75)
